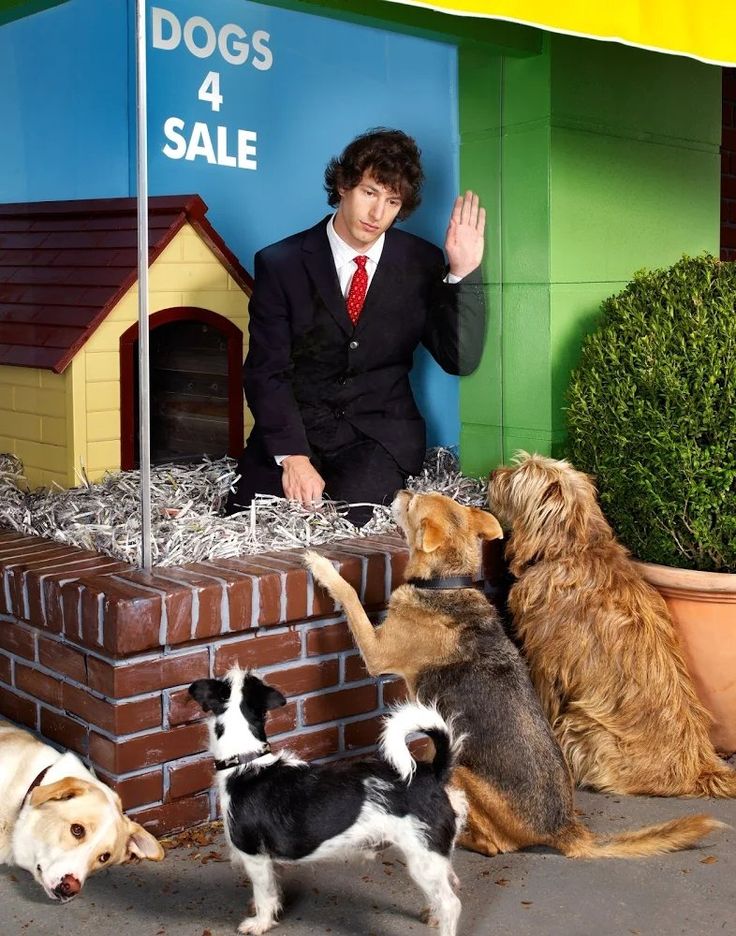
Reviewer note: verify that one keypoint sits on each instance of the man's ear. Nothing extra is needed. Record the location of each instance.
(210, 694)
(141, 844)
(429, 535)
(486, 525)
(65, 789)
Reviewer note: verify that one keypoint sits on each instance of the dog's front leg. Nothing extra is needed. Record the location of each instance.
(365, 635)
(266, 896)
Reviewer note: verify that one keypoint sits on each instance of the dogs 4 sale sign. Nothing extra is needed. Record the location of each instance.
(228, 45)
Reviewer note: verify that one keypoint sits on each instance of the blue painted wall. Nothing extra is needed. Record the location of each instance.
(304, 86)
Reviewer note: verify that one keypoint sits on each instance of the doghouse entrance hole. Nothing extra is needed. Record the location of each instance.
(189, 392)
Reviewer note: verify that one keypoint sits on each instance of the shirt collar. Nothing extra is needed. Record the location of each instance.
(343, 253)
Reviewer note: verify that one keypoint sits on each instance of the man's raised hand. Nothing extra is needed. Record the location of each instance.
(464, 240)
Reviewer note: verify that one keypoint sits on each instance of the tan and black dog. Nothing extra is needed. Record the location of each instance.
(446, 641)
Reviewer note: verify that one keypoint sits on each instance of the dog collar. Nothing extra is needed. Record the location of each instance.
(448, 581)
(37, 782)
(239, 760)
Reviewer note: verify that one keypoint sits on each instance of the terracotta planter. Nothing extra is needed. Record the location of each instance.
(703, 607)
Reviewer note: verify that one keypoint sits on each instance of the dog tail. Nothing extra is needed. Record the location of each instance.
(580, 842)
(720, 781)
(415, 717)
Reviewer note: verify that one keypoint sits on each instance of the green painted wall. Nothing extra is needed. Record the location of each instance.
(16, 9)
(609, 162)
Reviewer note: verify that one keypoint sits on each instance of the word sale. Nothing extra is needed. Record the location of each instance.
(198, 142)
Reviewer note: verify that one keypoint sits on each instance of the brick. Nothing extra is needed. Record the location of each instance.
(267, 583)
(177, 600)
(15, 568)
(374, 595)
(147, 750)
(183, 708)
(297, 680)
(61, 658)
(271, 579)
(333, 705)
(355, 670)
(311, 745)
(294, 579)
(123, 718)
(208, 604)
(296, 594)
(17, 639)
(39, 685)
(139, 790)
(170, 817)
(332, 638)
(281, 719)
(397, 554)
(17, 709)
(40, 585)
(5, 669)
(189, 777)
(394, 691)
(238, 589)
(10, 541)
(364, 733)
(131, 615)
(69, 620)
(147, 675)
(65, 731)
(350, 568)
(254, 652)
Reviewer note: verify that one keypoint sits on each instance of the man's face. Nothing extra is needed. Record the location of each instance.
(365, 212)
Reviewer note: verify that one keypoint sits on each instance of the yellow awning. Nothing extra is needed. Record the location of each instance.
(701, 29)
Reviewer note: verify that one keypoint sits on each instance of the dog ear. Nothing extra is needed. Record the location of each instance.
(65, 789)
(553, 489)
(429, 535)
(486, 525)
(273, 699)
(141, 844)
(210, 694)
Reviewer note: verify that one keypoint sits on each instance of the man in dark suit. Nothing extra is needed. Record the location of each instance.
(336, 314)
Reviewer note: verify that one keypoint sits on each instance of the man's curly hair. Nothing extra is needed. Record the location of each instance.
(393, 159)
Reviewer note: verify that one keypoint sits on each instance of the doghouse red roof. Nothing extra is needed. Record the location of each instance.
(65, 264)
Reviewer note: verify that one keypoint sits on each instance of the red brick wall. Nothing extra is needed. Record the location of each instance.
(728, 167)
(96, 656)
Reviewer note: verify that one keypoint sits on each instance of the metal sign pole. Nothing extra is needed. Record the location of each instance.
(144, 421)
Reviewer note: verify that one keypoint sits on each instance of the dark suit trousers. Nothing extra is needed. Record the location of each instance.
(358, 470)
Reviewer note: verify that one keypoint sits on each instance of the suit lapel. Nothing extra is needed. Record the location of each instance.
(387, 281)
(321, 267)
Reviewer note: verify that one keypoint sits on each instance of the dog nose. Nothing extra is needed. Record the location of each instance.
(68, 887)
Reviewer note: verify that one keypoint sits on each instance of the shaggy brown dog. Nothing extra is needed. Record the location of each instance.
(601, 647)
(445, 640)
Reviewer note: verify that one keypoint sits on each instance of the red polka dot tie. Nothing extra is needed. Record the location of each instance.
(358, 289)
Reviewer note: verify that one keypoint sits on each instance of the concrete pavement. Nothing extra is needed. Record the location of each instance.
(194, 891)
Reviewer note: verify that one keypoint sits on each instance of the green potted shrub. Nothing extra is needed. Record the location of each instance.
(652, 415)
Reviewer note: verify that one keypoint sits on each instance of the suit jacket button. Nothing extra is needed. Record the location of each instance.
(353, 344)
(339, 413)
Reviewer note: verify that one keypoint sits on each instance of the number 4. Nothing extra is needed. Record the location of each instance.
(209, 90)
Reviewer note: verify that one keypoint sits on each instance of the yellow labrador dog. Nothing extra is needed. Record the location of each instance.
(57, 820)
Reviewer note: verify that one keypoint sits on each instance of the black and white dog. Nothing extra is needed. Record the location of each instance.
(278, 808)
